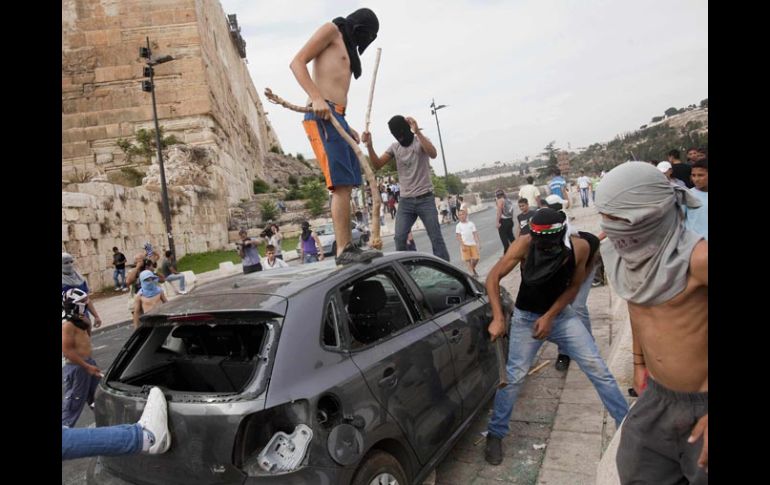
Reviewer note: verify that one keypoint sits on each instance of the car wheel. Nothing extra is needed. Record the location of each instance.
(380, 468)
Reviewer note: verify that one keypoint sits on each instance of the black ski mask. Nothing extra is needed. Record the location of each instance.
(401, 131)
(359, 29)
(547, 252)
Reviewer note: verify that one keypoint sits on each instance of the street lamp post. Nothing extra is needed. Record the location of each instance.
(149, 86)
(433, 109)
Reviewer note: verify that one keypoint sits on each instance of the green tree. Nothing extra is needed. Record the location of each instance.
(269, 210)
(317, 195)
(456, 186)
(704, 103)
(550, 151)
(439, 185)
(671, 111)
(146, 146)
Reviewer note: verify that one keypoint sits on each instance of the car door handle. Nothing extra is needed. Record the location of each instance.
(456, 336)
(389, 378)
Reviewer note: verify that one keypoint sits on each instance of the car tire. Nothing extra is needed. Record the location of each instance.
(379, 467)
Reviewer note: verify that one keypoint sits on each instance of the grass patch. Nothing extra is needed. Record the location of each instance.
(202, 262)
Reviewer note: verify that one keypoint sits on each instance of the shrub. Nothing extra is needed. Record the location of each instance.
(260, 186)
(316, 195)
(269, 210)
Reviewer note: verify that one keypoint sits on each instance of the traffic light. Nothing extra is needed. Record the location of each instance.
(148, 72)
(144, 52)
(147, 86)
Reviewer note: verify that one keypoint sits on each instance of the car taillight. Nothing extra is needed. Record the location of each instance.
(284, 452)
(273, 441)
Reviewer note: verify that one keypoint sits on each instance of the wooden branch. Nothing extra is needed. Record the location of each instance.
(376, 241)
(371, 89)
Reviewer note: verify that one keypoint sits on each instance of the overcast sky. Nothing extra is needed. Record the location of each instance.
(514, 74)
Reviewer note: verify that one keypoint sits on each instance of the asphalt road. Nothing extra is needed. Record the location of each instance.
(491, 247)
(106, 345)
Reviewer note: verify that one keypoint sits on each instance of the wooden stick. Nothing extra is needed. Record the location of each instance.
(538, 367)
(376, 241)
(371, 90)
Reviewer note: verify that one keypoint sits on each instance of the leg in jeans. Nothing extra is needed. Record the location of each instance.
(427, 212)
(177, 277)
(123, 439)
(122, 274)
(115, 278)
(405, 218)
(521, 352)
(571, 335)
(584, 197)
(580, 303)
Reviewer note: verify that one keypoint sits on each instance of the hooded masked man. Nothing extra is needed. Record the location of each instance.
(412, 152)
(70, 279)
(550, 279)
(150, 296)
(661, 269)
(334, 50)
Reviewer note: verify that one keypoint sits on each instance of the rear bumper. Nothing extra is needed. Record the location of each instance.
(99, 474)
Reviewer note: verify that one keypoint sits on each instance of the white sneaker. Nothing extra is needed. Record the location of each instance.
(182, 292)
(155, 420)
(117, 288)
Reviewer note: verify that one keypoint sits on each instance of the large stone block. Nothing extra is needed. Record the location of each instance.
(75, 200)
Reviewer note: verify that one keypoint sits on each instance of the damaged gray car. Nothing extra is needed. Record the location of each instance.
(363, 374)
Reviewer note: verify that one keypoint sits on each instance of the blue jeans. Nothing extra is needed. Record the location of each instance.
(79, 389)
(311, 258)
(409, 209)
(122, 274)
(176, 277)
(580, 303)
(568, 332)
(584, 197)
(123, 439)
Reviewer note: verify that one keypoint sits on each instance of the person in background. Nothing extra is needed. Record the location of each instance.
(271, 261)
(247, 250)
(70, 279)
(119, 275)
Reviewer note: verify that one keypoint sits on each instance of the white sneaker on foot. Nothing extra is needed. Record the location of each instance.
(182, 292)
(155, 420)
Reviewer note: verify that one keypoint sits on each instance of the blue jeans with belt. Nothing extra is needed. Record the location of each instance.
(409, 209)
(571, 335)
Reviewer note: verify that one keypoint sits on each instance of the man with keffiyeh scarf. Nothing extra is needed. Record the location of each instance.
(551, 276)
(661, 269)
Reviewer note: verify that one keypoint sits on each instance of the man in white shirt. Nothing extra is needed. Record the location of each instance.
(583, 184)
(531, 193)
(468, 238)
(270, 261)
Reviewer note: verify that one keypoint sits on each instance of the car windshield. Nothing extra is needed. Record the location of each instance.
(325, 229)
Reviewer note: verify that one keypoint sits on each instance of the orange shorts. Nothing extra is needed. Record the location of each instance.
(469, 252)
(336, 158)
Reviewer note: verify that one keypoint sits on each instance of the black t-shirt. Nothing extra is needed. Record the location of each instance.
(540, 298)
(682, 171)
(523, 219)
(119, 260)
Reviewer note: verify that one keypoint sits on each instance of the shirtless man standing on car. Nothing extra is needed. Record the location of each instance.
(334, 50)
(661, 269)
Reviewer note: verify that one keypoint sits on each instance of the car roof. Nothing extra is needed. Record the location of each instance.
(268, 291)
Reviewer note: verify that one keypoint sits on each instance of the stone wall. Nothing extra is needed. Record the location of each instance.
(97, 216)
(205, 96)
